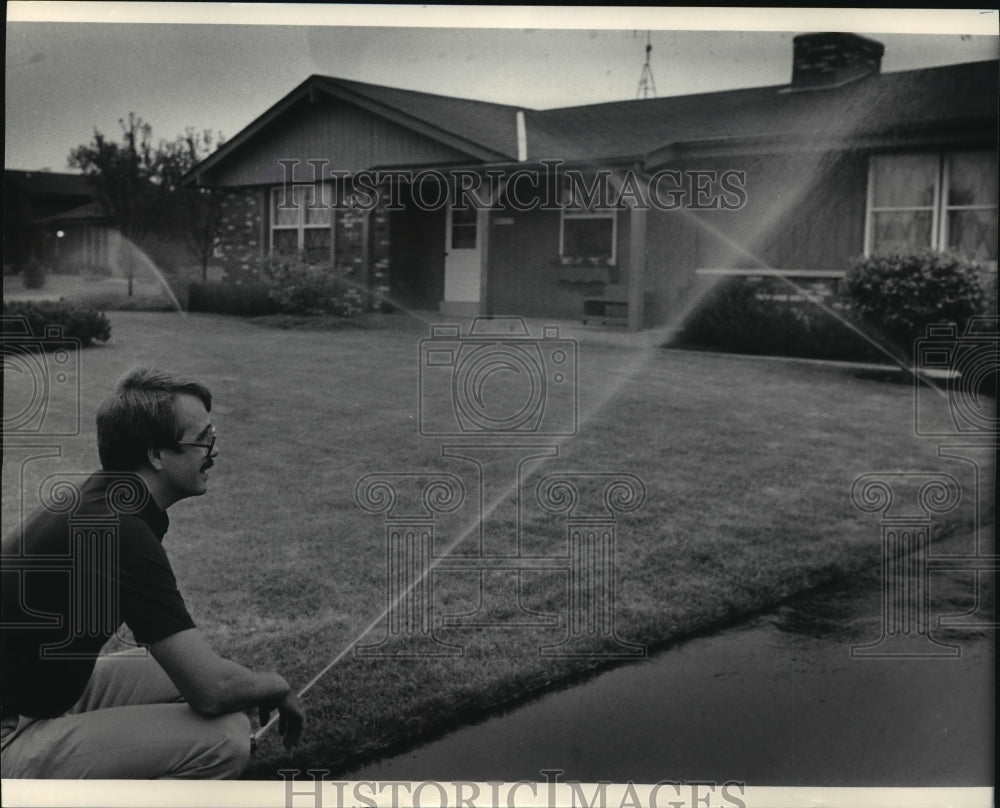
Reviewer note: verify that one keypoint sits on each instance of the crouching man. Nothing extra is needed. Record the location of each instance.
(177, 711)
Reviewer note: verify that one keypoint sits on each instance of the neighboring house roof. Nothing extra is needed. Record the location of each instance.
(952, 102)
(87, 212)
(48, 183)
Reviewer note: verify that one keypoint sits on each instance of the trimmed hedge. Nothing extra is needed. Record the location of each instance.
(889, 298)
(122, 302)
(898, 295)
(243, 299)
(739, 318)
(75, 322)
(33, 274)
(281, 285)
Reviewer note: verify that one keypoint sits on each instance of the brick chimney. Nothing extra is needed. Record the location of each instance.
(822, 61)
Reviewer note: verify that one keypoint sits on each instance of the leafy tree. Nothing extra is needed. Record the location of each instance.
(140, 187)
(124, 175)
(195, 211)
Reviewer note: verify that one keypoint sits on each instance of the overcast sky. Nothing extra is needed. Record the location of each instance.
(64, 78)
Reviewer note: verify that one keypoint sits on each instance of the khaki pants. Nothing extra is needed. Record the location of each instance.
(130, 723)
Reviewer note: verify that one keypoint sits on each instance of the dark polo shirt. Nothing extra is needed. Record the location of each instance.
(69, 577)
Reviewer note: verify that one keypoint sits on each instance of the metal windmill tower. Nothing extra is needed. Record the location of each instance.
(647, 85)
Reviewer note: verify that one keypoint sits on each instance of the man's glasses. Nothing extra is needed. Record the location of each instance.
(212, 435)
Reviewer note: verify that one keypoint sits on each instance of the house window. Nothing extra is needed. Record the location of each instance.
(936, 201)
(301, 220)
(588, 227)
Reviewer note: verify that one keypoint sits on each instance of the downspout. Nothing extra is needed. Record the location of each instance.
(522, 137)
(638, 244)
(483, 222)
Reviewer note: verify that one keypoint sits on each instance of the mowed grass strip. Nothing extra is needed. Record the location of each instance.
(747, 465)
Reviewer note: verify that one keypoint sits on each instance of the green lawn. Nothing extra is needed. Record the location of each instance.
(747, 464)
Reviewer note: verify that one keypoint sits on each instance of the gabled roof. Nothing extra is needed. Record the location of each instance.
(892, 103)
(955, 100)
(48, 183)
(492, 126)
(481, 129)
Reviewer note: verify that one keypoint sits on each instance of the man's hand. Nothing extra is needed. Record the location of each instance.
(291, 719)
(215, 686)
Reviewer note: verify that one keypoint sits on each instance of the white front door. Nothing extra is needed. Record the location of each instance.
(463, 241)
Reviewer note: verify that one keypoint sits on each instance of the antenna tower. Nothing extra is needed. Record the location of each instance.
(647, 85)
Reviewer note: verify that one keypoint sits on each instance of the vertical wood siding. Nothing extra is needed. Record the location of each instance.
(802, 211)
(350, 138)
(524, 275)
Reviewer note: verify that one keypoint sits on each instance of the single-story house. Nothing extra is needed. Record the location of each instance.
(470, 207)
(53, 218)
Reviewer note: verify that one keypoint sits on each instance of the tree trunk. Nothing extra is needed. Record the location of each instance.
(129, 265)
(126, 257)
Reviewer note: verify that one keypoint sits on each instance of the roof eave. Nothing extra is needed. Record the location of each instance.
(539, 164)
(960, 134)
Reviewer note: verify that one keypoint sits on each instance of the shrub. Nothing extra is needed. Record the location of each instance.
(897, 295)
(119, 301)
(77, 322)
(244, 300)
(282, 285)
(33, 273)
(299, 287)
(740, 316)
(991, 293)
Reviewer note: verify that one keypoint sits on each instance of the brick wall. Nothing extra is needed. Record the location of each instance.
(245, 240)
(380, 254)
(243, 234)
(350, 249)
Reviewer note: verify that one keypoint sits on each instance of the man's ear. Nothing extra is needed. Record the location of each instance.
(155, 457)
